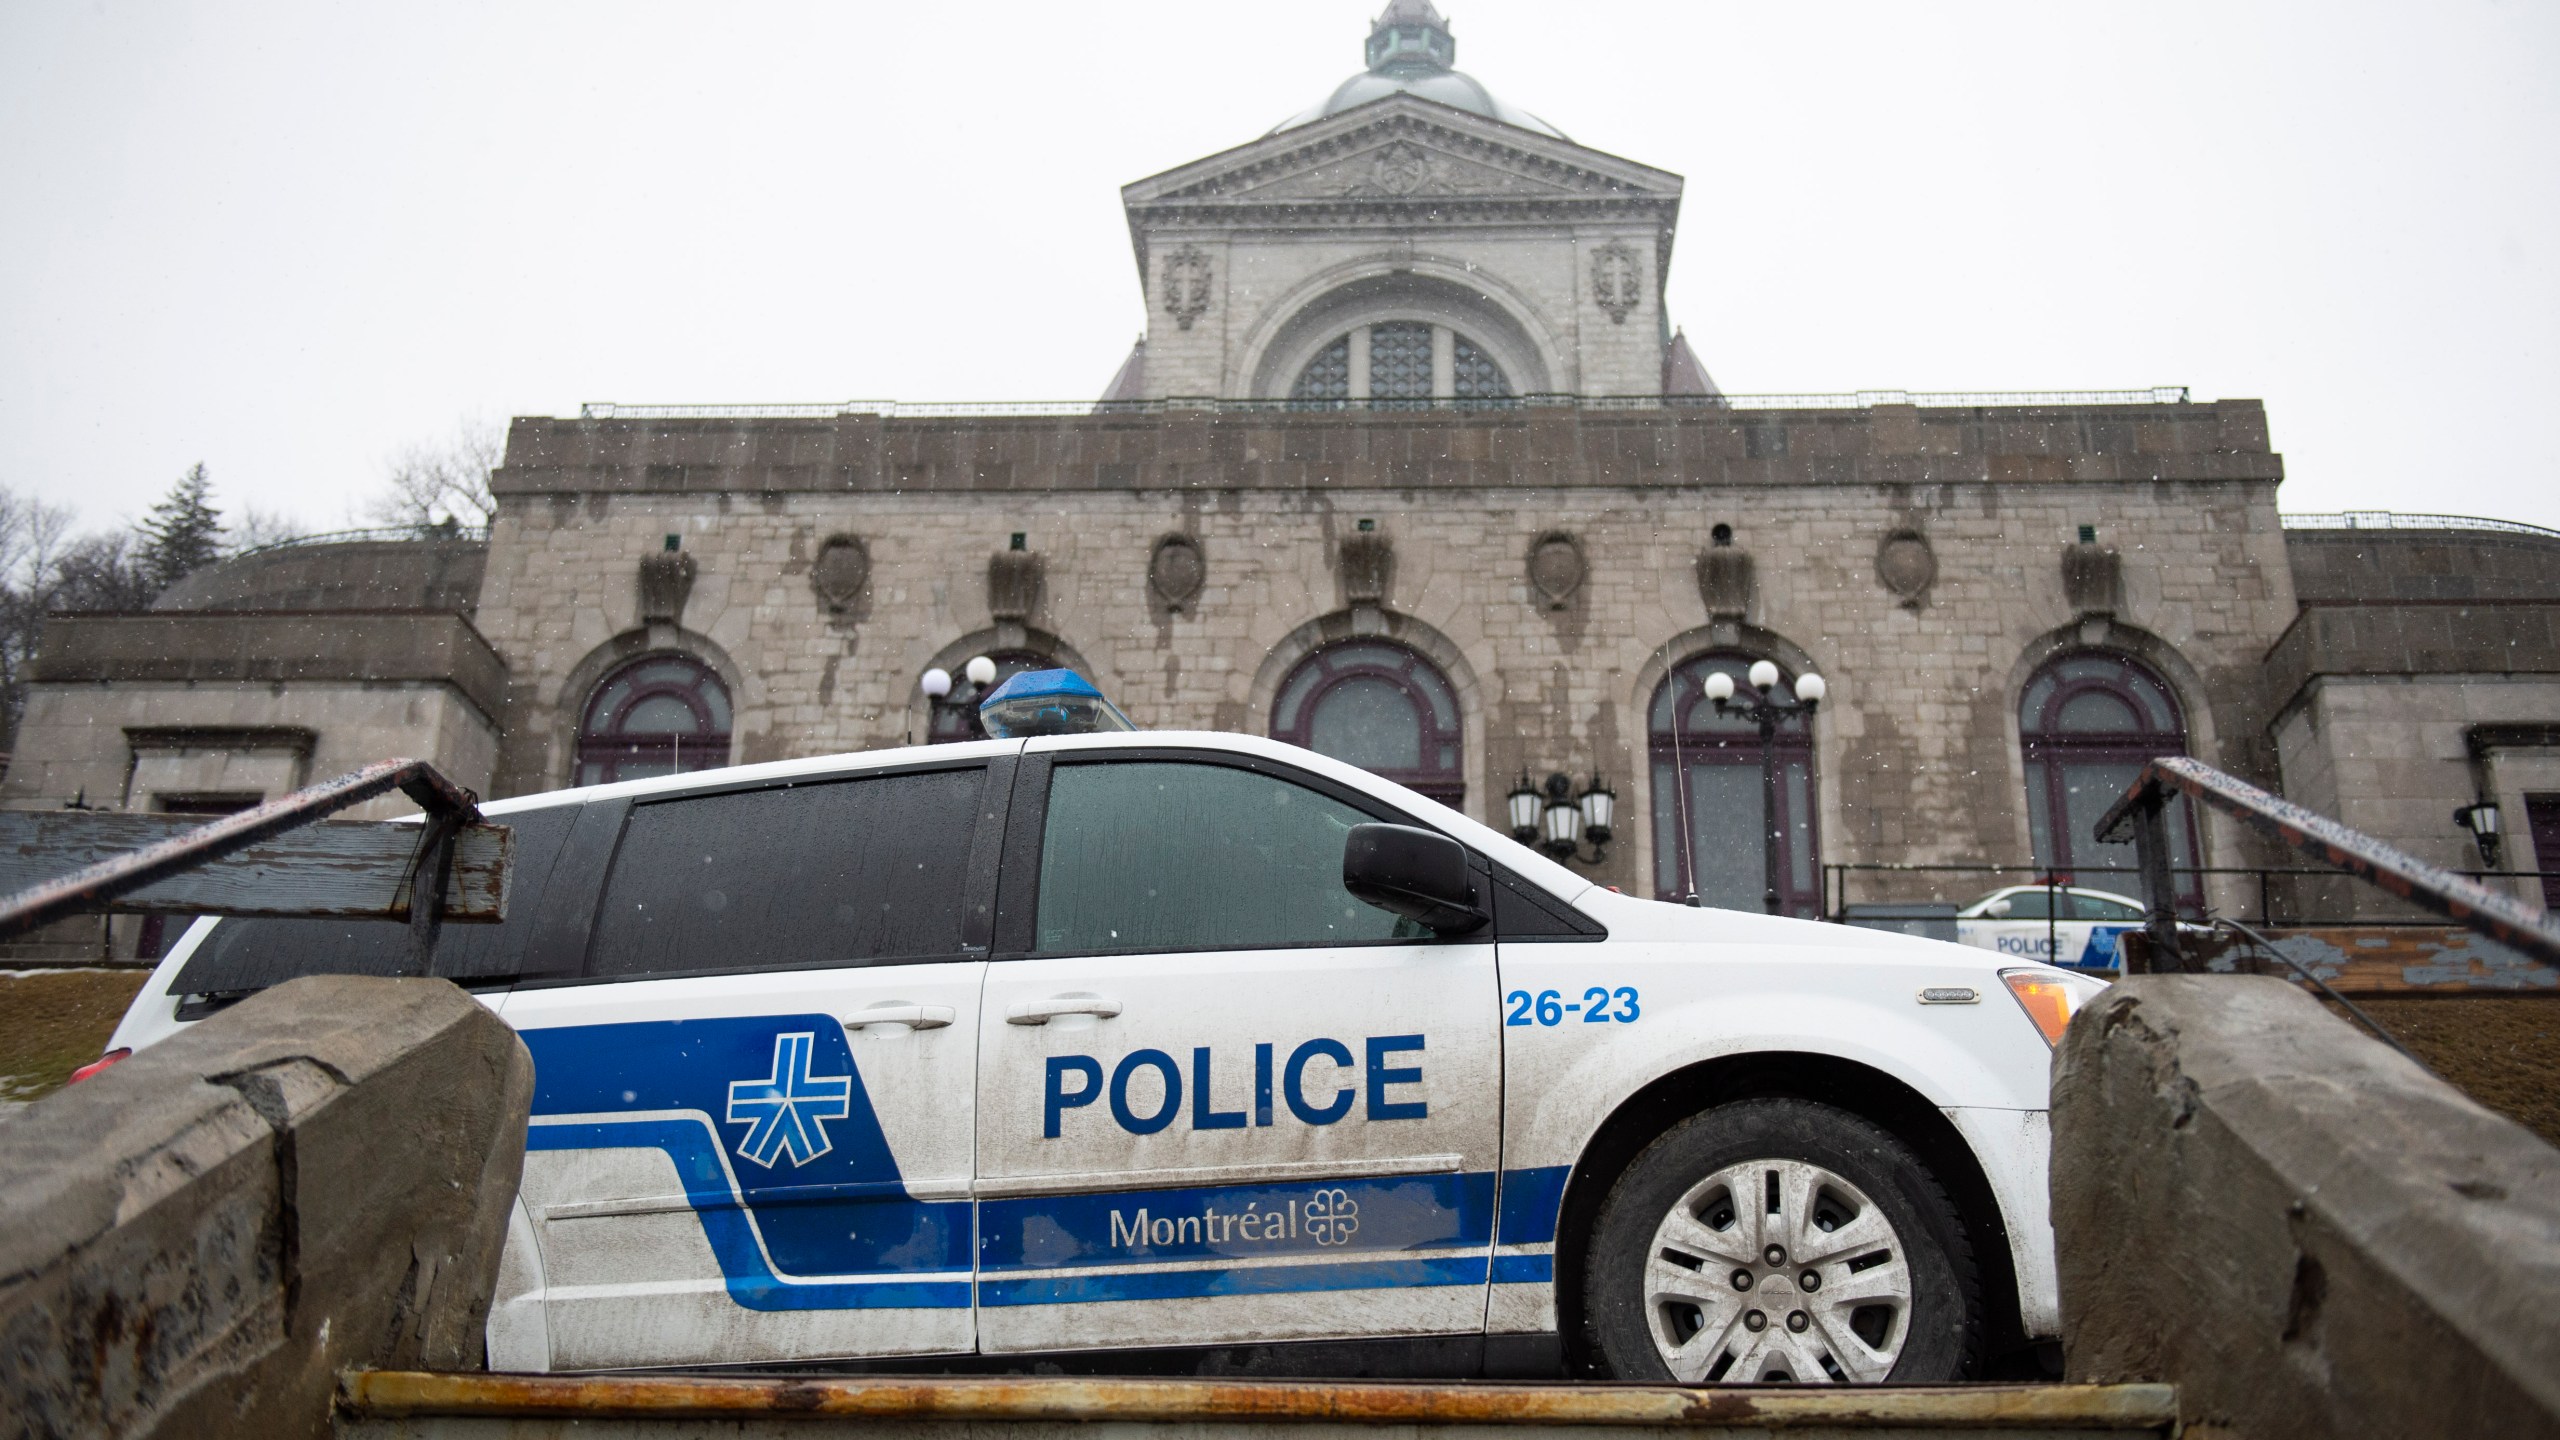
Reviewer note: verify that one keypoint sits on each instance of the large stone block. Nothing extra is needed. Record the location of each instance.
(2306, 1232)
(201, 1237)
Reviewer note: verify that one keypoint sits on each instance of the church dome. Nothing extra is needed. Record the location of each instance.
(1410, 52)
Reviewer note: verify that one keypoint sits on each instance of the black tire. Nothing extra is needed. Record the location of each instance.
(1636, 1308)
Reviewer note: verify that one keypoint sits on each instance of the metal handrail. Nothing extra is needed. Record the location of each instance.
(2225, 922)
(2407, 520)
(969, 409)
(2142, 812)
(456, 531)
(449, 807)
(1836, 874)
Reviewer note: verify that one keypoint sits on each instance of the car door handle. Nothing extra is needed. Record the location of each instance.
(893, 1012)
(1041, 1012)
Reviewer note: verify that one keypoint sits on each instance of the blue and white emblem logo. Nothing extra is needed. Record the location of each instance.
(786, 1111)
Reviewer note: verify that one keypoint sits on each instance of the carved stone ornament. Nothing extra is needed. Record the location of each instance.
(1556, 568)
(666, 582)
(2092, 579)
(1907, 566)
(1013, 584)
(1176, 570)
(1368, 564)
(1399, 169)
(842, 568)
(1724, 582)
(1617, 280)
(1186, 285)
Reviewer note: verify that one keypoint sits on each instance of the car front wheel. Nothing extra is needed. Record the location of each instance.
(1781, 1240)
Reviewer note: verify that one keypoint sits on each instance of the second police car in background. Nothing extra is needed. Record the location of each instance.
(2064, 925)
(1085, 1040)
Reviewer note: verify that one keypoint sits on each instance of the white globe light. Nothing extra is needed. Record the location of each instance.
(980, 670)
(1719, 687)
(937, 682)
(1810, 688)
(1763, 674)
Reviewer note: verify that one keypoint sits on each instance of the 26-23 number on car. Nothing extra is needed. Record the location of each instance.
(1599, 1005)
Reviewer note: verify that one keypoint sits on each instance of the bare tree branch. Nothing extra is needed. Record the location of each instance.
(440, 481)
(257, 527)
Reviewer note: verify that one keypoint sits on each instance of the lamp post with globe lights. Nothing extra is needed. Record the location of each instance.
(1762, 706)
(936, 684)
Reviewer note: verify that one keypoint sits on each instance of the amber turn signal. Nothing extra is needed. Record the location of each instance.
(2047, 998)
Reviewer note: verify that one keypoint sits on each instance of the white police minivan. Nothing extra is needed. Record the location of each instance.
(1151, 1050)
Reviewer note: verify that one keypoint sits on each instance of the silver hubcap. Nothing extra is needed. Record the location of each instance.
(1777, 1270)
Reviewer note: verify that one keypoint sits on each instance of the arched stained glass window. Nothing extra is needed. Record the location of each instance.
(956, 718)
(1476, 374)
(2089, 720)
(1400, 373)
(1327, 378)
(1399, 362)
(658, 715)
(1381, 707)
(1711, 815)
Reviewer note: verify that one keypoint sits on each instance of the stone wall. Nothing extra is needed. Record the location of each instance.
(2393, 756)
(2423, 674)
(201, 1237)
(2366, 567)
(124, 708)
(2306, 1233)
(122, 744)
(1918, 757)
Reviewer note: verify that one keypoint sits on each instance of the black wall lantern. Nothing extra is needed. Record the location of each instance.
(2482, 821)
(1557, 821)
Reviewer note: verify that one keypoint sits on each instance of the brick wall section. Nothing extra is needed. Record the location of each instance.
(1919, 758)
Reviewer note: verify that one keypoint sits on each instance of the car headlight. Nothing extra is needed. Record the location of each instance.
(2049, 998)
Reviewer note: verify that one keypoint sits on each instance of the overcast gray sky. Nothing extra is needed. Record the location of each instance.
(287, 239)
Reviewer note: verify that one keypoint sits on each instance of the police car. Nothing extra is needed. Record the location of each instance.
(1085, 1046)
(2064, 925)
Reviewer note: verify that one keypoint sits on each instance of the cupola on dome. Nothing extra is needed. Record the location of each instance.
(1410, 52)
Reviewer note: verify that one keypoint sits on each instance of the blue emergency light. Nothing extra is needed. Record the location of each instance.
(1049, 702)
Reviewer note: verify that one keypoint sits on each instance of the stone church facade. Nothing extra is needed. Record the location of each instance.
(1412, 467)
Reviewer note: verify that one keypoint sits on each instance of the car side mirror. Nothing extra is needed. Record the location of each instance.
(1415, 873)
(1998, 910)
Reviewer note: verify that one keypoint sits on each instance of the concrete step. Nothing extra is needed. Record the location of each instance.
(406, 1405)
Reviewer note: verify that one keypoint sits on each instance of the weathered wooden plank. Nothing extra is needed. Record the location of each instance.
(343, 868)
(389, 1402)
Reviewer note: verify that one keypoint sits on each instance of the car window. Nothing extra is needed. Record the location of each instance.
(848, 872)
(2031, 905)
(1143, 855)
(244, 954)
(2090, 907)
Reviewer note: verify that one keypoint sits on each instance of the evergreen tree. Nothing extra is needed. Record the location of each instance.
(183, 532)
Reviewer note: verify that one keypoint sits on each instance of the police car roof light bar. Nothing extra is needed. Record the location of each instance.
(1049, 702)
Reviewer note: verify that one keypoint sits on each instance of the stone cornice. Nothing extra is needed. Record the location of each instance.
(299, 647)
(2216, 443)
(1536, 157)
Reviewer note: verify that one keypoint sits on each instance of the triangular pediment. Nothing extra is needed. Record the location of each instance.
(1402, 149)
(1396, 167)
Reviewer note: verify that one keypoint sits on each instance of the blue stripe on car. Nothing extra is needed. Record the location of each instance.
(1241, 1280)
(732, 1230)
